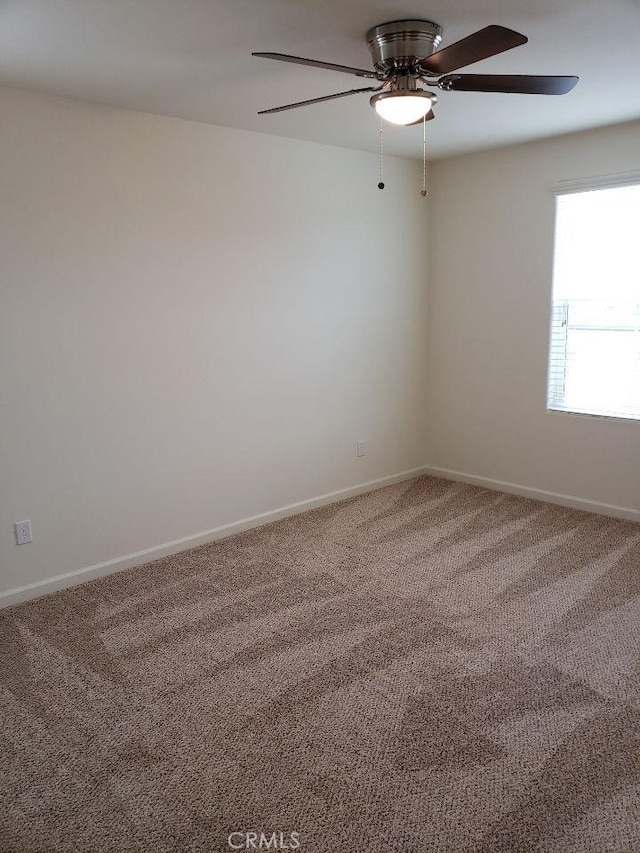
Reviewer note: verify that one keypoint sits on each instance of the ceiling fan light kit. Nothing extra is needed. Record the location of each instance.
(402, 107)
(403, 102)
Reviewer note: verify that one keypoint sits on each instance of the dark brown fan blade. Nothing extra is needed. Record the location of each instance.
(430, 115)
(319, 100)
(517, 84)
(299, 60)
(481, 45)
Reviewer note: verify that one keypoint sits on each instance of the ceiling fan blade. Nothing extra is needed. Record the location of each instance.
(481, 45)
(319, 100)
(430, 116)
(517, 84)
(299, 60)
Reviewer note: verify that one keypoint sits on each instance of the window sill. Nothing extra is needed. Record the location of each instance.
(610, 418)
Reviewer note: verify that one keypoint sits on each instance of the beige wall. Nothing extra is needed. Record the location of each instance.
(197, 325)
(491, 271)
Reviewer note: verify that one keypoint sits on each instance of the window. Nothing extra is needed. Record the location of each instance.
(594, 361)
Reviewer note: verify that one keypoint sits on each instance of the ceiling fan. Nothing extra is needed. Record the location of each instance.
(406, 58)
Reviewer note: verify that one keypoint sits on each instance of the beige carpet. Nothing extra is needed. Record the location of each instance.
(430, 667)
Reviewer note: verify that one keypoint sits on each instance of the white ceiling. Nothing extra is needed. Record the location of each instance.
(192, 59)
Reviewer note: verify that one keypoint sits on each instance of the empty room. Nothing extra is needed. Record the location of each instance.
(319, 426)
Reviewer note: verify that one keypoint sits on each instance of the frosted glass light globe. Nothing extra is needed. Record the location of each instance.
(403, 107)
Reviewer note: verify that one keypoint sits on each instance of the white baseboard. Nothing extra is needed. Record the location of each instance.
(538, 494)
(58, 582)
(53, 584)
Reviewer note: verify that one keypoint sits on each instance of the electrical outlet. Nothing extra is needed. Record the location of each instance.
(23, 532)
(359, 448)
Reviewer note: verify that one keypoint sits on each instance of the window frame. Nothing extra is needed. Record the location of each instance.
(574, 186)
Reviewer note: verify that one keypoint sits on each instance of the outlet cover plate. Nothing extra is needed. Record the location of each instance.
(23, 532)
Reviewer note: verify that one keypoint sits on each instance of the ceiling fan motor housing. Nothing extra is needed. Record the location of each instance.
(397, 46)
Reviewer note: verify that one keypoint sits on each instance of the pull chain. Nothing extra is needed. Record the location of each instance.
(423, 191)
(381, 182)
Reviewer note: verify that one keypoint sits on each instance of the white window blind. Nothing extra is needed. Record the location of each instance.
(594, 360)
